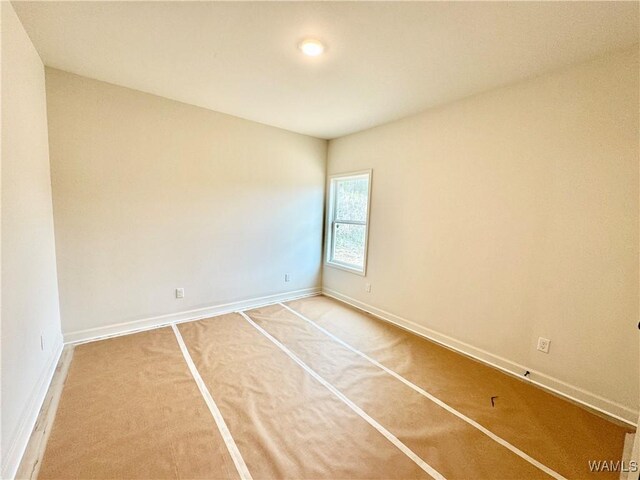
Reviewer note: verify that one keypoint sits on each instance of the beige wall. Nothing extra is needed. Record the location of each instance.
(151, 194)
(30, 291)
(512, 215)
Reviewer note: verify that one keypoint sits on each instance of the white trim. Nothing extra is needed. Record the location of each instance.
(576, 394)
(627, 454)
(345, 267)
(236, 456)
(15, 451)
(434, 399)
(330, 220)
(633, 459)
(388, 435)
(99, 333)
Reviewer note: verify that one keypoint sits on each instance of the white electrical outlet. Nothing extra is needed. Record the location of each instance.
(543, 344)
(367, 287)
(179, 292)
(287, 277)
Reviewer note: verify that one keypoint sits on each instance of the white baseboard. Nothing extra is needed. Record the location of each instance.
(571, 392)
(13, 455)
(91, 334)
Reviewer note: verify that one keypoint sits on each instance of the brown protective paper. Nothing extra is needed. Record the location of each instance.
(559, 434)
(285, 423)
(131, 409)
(453, 447)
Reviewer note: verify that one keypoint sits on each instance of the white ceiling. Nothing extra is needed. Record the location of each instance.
(384, 60)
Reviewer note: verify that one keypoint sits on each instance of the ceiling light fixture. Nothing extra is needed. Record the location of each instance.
(311, 48)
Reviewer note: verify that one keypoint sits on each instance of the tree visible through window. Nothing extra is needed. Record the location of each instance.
(348, 221)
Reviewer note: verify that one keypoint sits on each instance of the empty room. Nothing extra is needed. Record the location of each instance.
(320, 240)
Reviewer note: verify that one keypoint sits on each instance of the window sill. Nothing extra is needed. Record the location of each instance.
(346, 268)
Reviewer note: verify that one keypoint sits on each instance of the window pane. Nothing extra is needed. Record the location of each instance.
(349, 244)
(351, 199)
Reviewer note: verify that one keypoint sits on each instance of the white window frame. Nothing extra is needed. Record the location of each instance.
(330, 223)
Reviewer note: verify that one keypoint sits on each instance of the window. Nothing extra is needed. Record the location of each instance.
(348, 221)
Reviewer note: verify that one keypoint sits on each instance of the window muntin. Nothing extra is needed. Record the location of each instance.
(348, 221)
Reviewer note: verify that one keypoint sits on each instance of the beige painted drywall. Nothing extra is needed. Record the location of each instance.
(151, 195)
(512, 215)
(30, 291)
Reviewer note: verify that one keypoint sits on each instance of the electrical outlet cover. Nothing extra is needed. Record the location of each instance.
(543, 344)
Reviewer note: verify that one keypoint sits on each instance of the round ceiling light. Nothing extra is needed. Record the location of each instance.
(311, 48)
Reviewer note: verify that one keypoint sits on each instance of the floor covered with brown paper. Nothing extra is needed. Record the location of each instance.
(310, 389)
